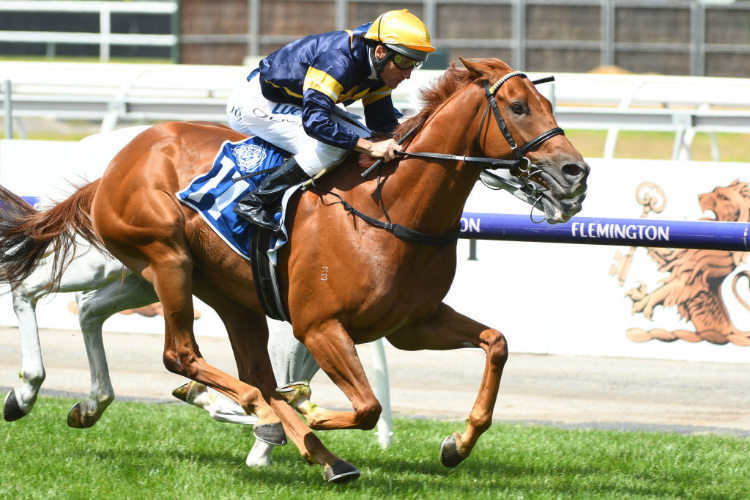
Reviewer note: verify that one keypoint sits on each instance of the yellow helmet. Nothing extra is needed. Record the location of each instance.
(403, 32)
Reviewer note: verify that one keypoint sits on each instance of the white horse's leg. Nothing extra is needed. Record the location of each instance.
(19, 401)
(94, 307)
(291, 360)
(221, 409)
(225, 410)
(84, 272)
(260, 454)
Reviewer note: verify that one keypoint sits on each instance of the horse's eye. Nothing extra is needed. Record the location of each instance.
(517, 108)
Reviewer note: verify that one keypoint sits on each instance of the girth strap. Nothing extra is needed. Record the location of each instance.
(264, 276)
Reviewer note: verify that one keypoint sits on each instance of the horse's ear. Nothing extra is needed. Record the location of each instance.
(475, 69)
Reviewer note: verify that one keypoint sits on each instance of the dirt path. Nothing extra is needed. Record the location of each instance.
(573, 391)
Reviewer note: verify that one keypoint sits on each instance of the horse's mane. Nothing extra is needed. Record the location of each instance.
(433, 96)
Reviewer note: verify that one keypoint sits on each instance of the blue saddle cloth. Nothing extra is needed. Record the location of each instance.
(214, 194)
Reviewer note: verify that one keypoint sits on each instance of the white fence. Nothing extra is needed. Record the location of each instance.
(105, 38)
(144, 92)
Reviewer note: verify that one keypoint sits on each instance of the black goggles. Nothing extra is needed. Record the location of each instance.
(403, 63)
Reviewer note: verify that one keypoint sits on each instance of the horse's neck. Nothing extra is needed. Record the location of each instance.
(427, 195)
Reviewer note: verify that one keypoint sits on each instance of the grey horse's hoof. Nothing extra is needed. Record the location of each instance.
(181, 392)
(341, 472)
(12, 410)
(77, 420)
(449, 452)
(295, 393)
(270, 433)
(74, 417)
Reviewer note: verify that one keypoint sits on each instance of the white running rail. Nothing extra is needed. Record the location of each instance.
(151, 92)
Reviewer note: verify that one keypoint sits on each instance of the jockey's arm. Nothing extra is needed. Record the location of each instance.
(317, 122)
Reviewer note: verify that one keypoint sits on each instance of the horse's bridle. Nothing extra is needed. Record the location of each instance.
(516, 167)
(521, 163)
(518, 153)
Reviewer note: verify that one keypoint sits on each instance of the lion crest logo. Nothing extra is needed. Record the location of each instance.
(249, 156)
(695, 279)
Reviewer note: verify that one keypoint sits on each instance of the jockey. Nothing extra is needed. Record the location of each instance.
(291, 101)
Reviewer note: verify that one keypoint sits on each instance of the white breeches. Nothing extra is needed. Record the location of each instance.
(281, 124)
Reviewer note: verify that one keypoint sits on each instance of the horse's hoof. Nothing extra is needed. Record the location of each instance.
(181, 392)
(12, 410)
(295, 393)
(190, 391)
(341, 472)
(270, 433)
(75, 419)
(449, 452)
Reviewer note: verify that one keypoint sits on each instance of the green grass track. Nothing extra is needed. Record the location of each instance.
(172, 451)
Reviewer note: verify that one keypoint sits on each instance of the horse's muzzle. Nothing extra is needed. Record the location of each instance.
(565, 189)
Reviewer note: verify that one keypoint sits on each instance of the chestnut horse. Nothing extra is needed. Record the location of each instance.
(381, 279)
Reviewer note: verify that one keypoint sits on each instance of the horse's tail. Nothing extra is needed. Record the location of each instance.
(26, 234)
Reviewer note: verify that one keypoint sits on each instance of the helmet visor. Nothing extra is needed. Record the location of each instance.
(417, 55)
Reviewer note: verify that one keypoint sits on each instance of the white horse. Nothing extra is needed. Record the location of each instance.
(103, 287)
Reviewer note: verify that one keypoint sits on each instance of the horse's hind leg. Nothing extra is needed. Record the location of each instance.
(20, 400)
(166, 262)
(447, 329)
(94, 307)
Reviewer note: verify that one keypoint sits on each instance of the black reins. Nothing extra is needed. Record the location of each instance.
(519, 165)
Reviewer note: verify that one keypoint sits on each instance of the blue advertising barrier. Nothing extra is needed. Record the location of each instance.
(705, 235)
(31, 200)
(708, 235)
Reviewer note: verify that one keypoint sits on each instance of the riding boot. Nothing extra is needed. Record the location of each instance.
(260, 206)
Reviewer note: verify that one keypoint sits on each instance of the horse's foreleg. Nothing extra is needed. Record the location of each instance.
(334, 350)
(20, 400)
(447, 329)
